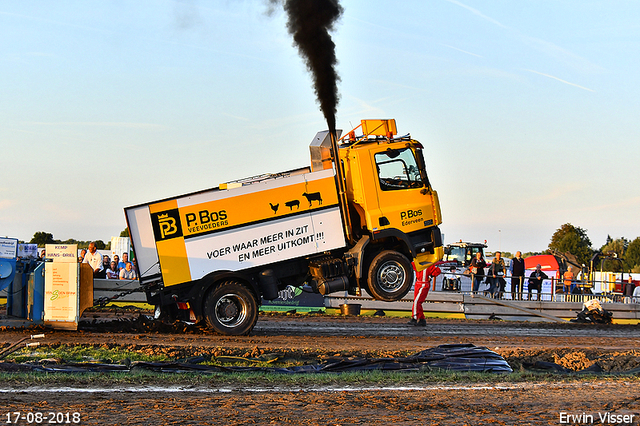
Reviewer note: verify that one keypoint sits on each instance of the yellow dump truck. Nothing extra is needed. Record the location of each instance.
(214, 255)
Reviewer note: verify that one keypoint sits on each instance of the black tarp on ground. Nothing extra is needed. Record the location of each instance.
(465, 357)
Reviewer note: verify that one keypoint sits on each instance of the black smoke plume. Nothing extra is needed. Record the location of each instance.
(310, 22)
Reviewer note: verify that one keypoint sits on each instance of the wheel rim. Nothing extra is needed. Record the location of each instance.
(391, 276)
(231, 310)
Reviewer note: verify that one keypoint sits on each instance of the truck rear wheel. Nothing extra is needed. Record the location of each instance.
(390, 276)
(231, 309)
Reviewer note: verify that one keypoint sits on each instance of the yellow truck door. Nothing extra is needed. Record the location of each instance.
(406, 202)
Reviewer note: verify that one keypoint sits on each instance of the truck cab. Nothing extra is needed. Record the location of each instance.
(391, 197)
(393, 212)
(388, 190)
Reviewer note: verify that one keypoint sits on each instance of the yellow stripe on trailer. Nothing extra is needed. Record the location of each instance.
(173, 261)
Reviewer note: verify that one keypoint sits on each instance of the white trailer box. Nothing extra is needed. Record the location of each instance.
(120, 245)
(238, 228)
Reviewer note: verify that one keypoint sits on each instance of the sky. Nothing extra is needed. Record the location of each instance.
(528, 111)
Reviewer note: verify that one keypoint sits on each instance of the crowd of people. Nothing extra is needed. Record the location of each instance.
(496, 274)
(104, 267)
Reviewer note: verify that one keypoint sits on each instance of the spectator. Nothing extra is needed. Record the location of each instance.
(112, 272)
(477, 270)
(517, 276)
(128, 273)
(629, 287)
(420, 292)
(496, 274)
(125, 259)
(93, 258)
(83, 253)
(43, 255)
(535, 281)
(575, 289)
(117, 260)
(105, 265)
(568, 281)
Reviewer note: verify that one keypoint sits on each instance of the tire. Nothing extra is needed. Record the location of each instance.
(231, 309)
(390, 276)
(164, 314)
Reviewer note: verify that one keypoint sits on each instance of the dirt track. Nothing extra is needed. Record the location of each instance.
(532, 404)
(339, 333)
(616, 348)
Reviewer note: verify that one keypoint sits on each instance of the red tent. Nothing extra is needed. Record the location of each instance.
(546, 261)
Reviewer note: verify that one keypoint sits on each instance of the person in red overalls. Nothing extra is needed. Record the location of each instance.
(420, 291)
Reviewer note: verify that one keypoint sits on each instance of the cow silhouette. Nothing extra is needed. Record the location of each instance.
(274, 208)
(292, 203)
(314, 196)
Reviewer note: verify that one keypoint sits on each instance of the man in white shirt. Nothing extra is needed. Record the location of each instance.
(128, 273)
(94, 259)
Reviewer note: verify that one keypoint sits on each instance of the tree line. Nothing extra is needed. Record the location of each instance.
(41, 238)
(620, 254)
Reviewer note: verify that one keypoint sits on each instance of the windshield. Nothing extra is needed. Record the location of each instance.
(463, 255)
(473, 251)
(398, 169)
(456, 253)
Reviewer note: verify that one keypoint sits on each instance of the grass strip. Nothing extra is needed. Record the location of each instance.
(255, 380)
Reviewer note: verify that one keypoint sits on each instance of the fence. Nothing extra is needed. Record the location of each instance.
(552, 289)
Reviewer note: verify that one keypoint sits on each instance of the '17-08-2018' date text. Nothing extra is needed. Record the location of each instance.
(55, 418)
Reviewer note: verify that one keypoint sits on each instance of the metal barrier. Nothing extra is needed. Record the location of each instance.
(465, 285)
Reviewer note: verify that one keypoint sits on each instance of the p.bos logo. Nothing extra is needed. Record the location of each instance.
(166, 225)
(410, 214)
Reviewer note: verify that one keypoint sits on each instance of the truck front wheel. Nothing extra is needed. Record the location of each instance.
(390, 276)
(231, 309)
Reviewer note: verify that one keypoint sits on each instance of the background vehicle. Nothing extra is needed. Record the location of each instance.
(455, 265)
(215, 254)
